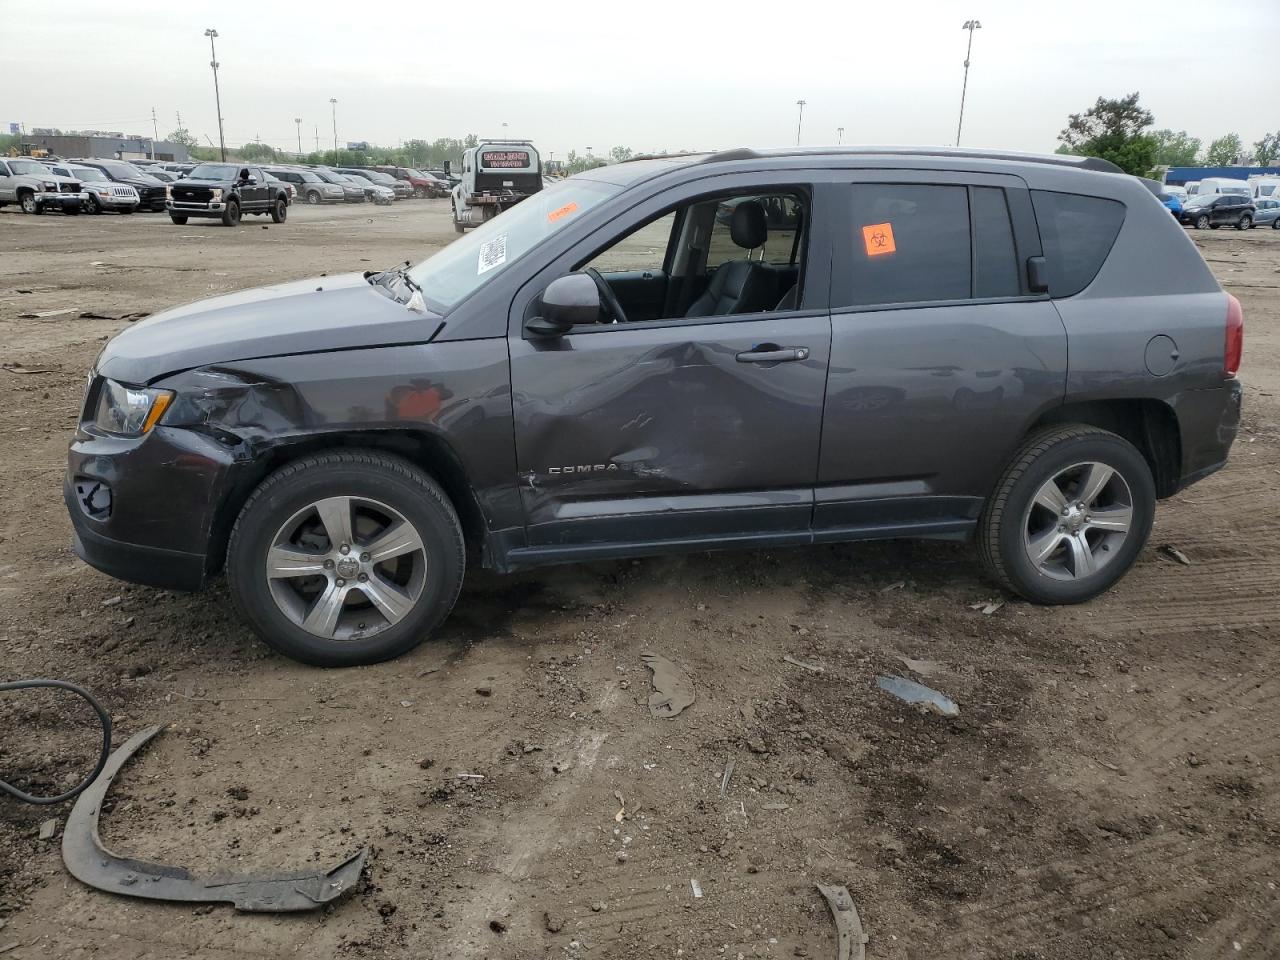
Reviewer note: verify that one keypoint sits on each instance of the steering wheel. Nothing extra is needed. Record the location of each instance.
(607, 295)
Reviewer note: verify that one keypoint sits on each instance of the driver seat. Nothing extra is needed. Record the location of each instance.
(739, 286)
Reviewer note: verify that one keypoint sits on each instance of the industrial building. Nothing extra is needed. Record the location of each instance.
(106, 146)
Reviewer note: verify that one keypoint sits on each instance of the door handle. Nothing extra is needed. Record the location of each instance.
(771, 353)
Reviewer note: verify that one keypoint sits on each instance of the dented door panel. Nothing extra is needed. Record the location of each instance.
(664, 433)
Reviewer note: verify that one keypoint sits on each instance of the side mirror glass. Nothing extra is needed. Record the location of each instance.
(567, 302)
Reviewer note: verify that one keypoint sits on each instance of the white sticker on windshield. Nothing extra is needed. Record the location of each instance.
(492, 254)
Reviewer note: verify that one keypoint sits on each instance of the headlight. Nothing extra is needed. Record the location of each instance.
(129, 411)
(48, 185)
(216, 193)
(102, 191)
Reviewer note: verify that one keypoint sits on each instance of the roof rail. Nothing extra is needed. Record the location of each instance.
(1064, 160)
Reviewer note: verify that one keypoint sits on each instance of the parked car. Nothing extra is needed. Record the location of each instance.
(226, 191)
(161, 174)
(179, 168)
(423, 184)
(1215, 209)
(352, 192)
(1265, 186)
(99, 191)
(309, 186)
(400, 190)
(373, 192)
(1177, 191)
(543, 391)
(150, 190)
(35, 188)
(1172, 202)
(1267, 213)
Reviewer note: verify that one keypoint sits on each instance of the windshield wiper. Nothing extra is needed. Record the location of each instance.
(385, 279)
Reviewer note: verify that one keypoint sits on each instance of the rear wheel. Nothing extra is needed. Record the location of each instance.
(279, 210)
(1069, 516)
(1202, 222)
(346, 558)
(1245, 222)
(178, 218)
(27, 201)
(231, 214)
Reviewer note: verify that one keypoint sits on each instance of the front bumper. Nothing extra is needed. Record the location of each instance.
(115, 203)
(192, 208)
(145, 509)
(61, 201)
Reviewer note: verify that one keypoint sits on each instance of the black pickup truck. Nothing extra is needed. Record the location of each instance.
(226, 191)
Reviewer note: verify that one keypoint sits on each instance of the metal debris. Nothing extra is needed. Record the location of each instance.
(849, 932)
(696, 887)
(672, 688)
(918, 695)
(93, 864)
(728, 774)
(811, 667)
(925, 668)
(1173, 553)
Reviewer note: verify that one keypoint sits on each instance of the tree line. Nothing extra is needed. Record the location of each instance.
(1119, 130)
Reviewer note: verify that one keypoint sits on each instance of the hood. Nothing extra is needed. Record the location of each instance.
(342, 312)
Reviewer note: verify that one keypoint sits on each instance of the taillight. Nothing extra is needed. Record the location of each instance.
(1235, 338)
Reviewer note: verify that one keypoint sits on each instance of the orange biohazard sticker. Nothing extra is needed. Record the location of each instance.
(878, 239)
(561, 213)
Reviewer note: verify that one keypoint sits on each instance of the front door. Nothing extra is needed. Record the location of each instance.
(7, 192)
(673, 429)
(941, 354)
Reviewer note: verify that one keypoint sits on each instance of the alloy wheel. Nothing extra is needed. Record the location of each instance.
(1078, 520)
(345, 568)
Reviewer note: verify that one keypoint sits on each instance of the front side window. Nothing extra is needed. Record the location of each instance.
(643, 249)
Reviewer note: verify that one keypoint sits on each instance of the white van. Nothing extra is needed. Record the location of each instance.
(1217, 185)
(1265, 186)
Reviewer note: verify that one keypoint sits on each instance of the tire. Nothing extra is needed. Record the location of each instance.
(1245, 223)
(279, 211)
(278, 608)
(1202, 222)
(27, 201)
(95, 207)
(1013, 518)
(231, 215)
(179, 219)
(1275, 224)
(313, 197)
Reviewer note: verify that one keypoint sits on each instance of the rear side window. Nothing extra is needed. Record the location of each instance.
(1078, 233)
(910, 243)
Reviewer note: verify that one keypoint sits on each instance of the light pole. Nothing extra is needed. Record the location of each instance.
(298, 121)
(217, 96)
(333, 102)
(799, 120)
(970, 25)
(839, 135)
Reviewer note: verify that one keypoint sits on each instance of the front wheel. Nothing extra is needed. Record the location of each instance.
(94, 205)
(179, 219)
(231, 214)
(1202, 223)
(349, 558)
(1069, 516)
(1245, 223)
(313, 197)
(27, 201)
(279, 210)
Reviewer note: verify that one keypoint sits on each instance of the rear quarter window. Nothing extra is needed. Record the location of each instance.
(1077, 233)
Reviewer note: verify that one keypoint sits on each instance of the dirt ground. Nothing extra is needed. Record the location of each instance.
(1109, 789)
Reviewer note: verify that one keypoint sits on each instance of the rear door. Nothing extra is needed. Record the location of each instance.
(940, 353)
(670, 432)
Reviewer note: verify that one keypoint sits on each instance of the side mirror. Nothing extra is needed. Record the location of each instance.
(567, 302)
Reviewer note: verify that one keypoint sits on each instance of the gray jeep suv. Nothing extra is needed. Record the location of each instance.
(742, 349)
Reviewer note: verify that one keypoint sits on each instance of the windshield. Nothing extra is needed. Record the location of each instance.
(415, 173)
(29, 167)
(88, 174)
(119, 169)
(465, 265)
(214, 171)
(328, 177)
(308, 177)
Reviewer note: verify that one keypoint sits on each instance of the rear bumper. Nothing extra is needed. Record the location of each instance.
(1208, 421)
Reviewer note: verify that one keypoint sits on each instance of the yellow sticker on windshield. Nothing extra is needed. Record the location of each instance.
(878, 239)
(563, 212)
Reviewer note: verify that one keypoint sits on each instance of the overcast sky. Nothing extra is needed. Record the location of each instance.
(650, 75)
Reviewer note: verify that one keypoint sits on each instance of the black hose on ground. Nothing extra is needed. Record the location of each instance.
(103, 717)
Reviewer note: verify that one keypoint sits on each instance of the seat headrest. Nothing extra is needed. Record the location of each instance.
(748, 228)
